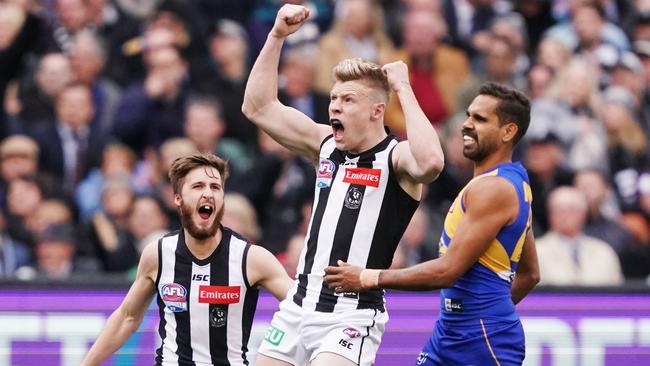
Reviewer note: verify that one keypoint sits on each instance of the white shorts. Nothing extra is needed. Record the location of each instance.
(297, 335)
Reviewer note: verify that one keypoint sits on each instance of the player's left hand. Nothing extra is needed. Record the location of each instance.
(344, 278)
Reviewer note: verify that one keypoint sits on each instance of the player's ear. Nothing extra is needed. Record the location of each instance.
(509, 131)
(177, 199)
(378, 110)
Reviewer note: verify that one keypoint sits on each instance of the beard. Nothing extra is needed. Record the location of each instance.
(194, 230)
(481, 151)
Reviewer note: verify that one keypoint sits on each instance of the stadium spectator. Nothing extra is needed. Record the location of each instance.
(152, 111)
(147, 221)
(108, 228)
(118, 161)
(358, 31)
(436, 70)
(544, 158)
(13, 254)
(500, 67)
(37, 97)
(602, 211)
(298, 66)
(417, 244)
(240, 216)
(567, 256)
(18, 158)
(278, 184)
(204, 126)
(55, 254)
(88, 58)
(70, 146)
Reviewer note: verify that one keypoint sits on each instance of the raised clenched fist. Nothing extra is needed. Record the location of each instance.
(289, 19)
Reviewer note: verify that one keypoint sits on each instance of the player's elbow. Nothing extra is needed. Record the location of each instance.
(429, 170)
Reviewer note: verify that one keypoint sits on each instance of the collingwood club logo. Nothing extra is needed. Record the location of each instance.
(353, 198)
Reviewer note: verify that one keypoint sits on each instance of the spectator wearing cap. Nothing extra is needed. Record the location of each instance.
(544, 158)
(629, 73)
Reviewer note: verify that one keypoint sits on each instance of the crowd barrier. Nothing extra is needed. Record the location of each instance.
(54, 326)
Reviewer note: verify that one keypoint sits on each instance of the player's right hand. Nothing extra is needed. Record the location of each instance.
(289, 19)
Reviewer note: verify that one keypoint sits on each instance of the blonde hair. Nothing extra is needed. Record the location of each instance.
(353, 69)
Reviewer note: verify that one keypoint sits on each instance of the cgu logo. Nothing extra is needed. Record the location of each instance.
(173, 292)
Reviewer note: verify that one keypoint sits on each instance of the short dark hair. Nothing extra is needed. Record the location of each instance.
(513, 106)
(185, 164)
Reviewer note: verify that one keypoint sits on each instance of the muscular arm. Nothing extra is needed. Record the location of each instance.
(490, 202)
(288, 126)
(266, 271)
(527, 275)
(126, 319)
(419, 159)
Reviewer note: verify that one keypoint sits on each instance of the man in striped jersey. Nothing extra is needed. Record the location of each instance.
(368, 186)
(205, 276)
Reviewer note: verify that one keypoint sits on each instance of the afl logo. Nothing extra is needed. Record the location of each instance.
(351, 332)
(325, 168)
(173, 292)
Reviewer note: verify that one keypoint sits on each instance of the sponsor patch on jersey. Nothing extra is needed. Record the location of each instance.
(353, 198)
(174, 296)
(218, 317)
(325, 173)
(362, 176)
(219, 294)
(274, 335)
(351, 332)
(453, 305)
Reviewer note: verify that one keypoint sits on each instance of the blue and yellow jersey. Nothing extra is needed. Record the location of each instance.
(484, 290)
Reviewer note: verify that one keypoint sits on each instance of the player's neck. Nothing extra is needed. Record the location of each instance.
(491, 161)
(371, 140)
(202, 249)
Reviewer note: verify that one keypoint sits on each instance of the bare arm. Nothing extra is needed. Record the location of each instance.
(527, 275)
(288, 126)
(419, 159)
(473, 236)
(126, 319)
(265, 270)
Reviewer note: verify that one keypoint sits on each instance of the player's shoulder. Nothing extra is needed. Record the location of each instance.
(149, 258)
(491, 191)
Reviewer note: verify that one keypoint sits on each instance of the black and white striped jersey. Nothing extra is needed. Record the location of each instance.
(206, 306)
(359, 215)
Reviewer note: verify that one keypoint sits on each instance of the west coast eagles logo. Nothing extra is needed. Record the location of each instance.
(353, 198)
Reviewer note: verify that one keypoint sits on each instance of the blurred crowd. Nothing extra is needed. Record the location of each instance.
(98, 98)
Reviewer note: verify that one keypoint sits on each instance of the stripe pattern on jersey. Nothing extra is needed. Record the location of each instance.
(359, 218)
(213, 300)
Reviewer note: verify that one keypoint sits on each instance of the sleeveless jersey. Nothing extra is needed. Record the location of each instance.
(359, 215)
(206, 305)
(484, 290)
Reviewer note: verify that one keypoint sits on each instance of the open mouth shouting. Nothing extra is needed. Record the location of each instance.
(337, 128)
(205, 211)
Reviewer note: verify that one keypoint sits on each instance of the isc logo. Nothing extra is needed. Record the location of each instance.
(201, 277)
(173, 292)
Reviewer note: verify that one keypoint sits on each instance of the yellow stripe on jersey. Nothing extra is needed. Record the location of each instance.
(516, 253)
(496, 258)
